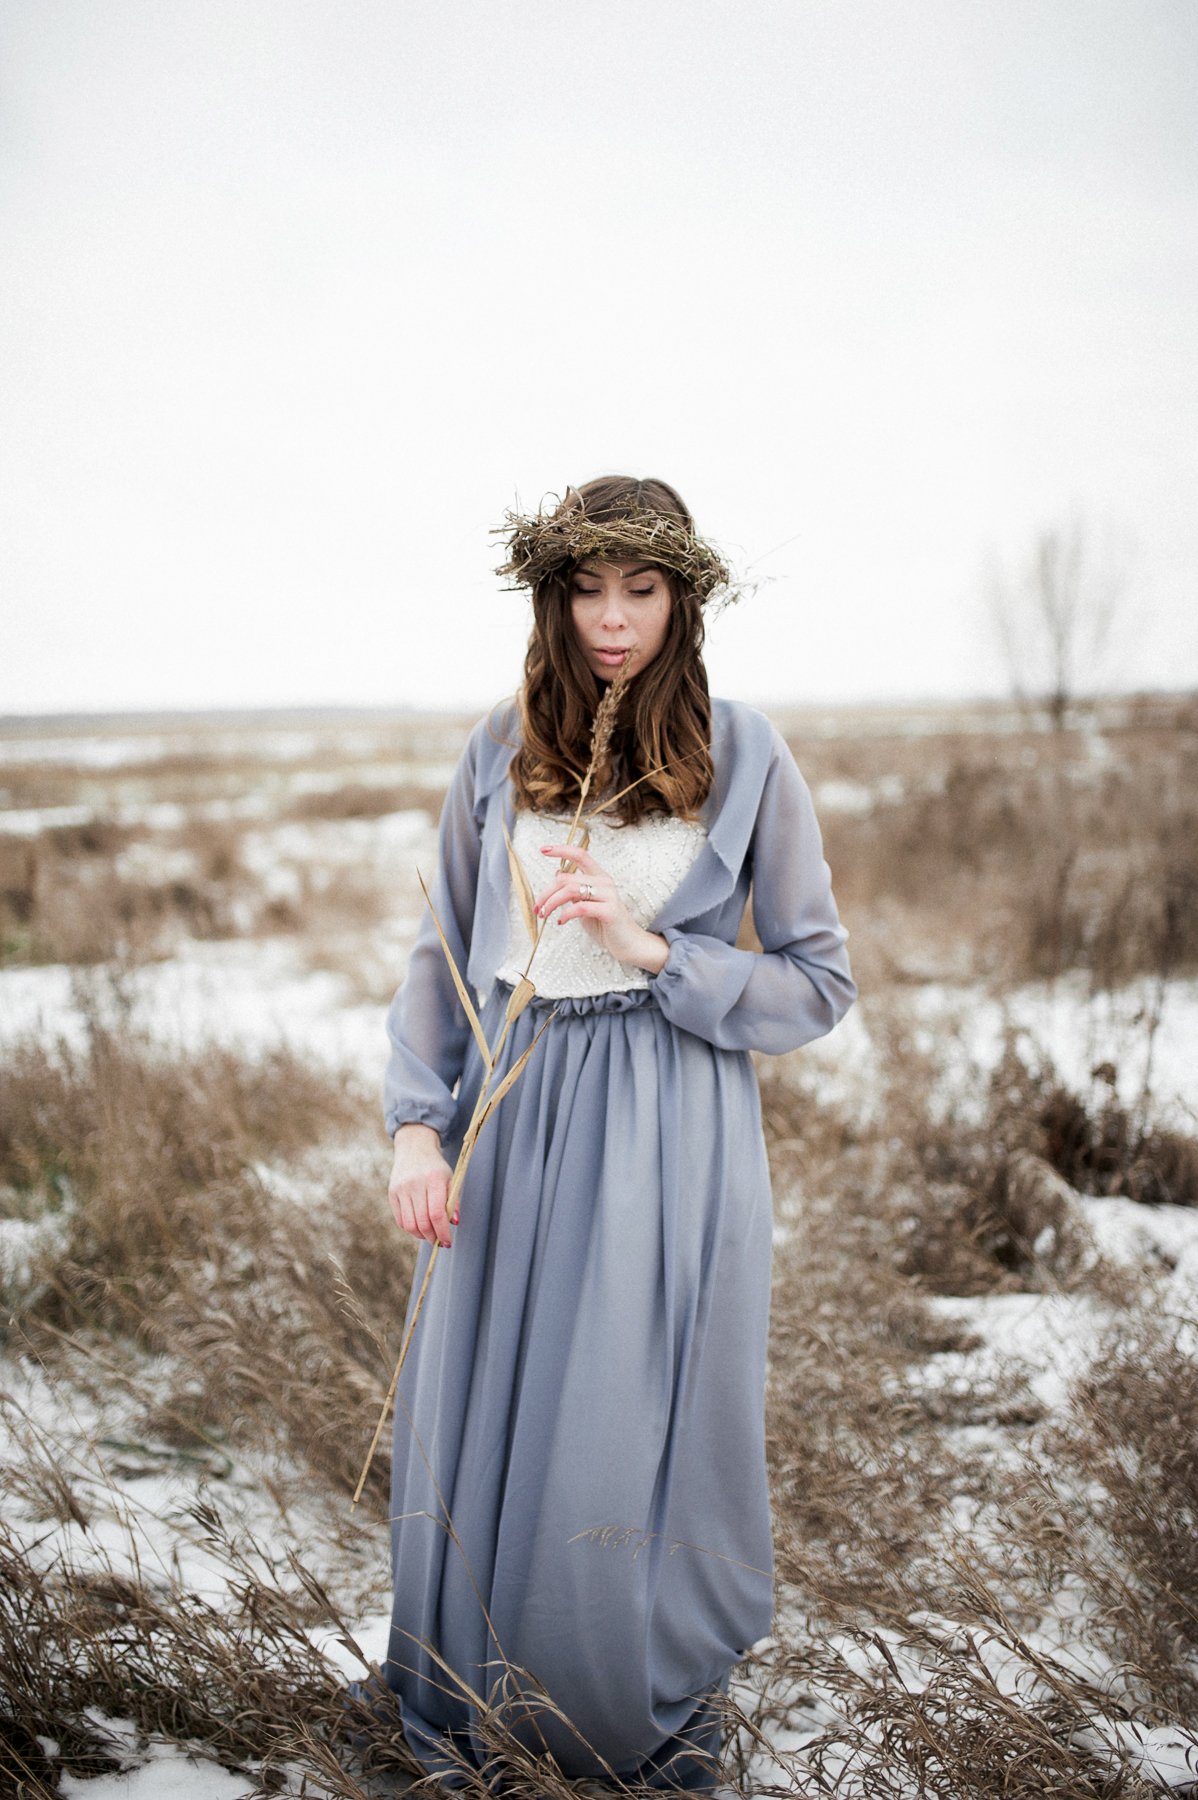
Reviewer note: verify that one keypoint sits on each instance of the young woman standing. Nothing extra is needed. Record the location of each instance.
(580, 1518)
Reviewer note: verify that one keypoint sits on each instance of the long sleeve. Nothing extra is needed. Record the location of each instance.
(426, 1022)
(798, 986)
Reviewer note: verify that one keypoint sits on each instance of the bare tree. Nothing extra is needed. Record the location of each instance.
(1053, 616)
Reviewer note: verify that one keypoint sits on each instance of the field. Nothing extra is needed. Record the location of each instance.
(983, 1405)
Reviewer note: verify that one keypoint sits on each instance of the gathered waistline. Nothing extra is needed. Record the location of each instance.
(582, 1006)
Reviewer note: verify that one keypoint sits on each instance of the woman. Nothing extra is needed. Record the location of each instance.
(580, 1519)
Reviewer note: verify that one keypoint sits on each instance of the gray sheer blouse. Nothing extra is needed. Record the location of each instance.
(762, 835)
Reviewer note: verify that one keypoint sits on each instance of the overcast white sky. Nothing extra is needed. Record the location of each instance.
(296, 296)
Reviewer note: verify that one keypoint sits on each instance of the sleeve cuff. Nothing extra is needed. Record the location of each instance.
(417, 1114)
(681, 948)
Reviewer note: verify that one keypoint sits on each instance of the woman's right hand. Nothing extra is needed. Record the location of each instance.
(419, 1186)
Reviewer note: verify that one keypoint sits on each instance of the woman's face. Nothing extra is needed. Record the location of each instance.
(615, 606)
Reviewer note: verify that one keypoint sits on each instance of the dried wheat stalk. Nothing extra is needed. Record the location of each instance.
(488, 1098)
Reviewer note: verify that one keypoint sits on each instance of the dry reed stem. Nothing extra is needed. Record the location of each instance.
(480, 1036)
(487, 1102)
(521, 886)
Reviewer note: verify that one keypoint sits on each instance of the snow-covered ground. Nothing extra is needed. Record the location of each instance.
(134, 1515)
(254, 992)
(1145, 1035)
(243, 993)
(1139, 1042)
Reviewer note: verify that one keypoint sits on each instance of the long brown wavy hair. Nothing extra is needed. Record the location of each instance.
(664, 721)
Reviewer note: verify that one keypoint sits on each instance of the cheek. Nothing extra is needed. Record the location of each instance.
(657, 628)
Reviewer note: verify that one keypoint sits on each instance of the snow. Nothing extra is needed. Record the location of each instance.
(167, 1772)
(840, 795)
(1160, 1753)
(88, 750)
(29, 821)
(1041, 1341)
(146, 860)
(284, 858)
(26, 1245)
(1147, 1033)
(1162, 1240)
(241, 993)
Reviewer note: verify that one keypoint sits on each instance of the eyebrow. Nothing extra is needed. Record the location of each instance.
(641, 569)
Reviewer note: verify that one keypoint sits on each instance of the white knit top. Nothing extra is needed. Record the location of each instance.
(647, 861)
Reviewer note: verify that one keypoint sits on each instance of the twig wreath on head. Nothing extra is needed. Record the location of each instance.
(563, 534)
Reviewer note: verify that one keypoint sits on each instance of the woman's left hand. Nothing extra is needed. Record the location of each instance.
(590, 895)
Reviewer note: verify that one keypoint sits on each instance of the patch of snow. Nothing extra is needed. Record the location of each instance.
(151, 863)
(290, 860)
(843, 1067)
(1044, 1340)
(1147, 1034)
(168, 1772)
(1161, 1239)
(840, 795)
(29, 821)
(337, 842)
(1167, 1754)
(39, 1003)
(154, 815)
(244, 994)
(87, 751)
(26, 1247)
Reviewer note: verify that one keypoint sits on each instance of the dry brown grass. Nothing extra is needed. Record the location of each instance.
(1112, 1506)
(278, 1316)
(189, 1251)
(79, 1644)
(357, 800)
(1023, 856)
(63, 897)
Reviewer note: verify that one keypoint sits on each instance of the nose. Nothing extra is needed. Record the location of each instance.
(613, 617)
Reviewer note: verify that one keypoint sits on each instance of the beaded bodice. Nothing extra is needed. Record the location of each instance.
(647, 861)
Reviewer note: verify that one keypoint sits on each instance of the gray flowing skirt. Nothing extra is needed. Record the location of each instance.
(580, 1520)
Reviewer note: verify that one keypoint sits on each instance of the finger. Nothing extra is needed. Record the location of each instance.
(600, 911)
(568, 887)
(401, 1206)
(577, 906)
(576, 854)
(439, 1218)
(437, 1191)
(420, 1209)
(396, 1206)
(564, 889)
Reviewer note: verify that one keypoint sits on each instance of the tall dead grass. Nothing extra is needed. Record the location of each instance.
(272, 1317)
(81, 1644)
(1019, 859)
(65, 898)
(278, 1315)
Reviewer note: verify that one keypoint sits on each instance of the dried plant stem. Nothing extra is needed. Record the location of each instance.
(387, 1403)
(488, 1099)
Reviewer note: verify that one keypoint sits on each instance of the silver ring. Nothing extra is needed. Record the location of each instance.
(585, 891)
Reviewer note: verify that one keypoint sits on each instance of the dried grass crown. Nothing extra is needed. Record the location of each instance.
(558, 537)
